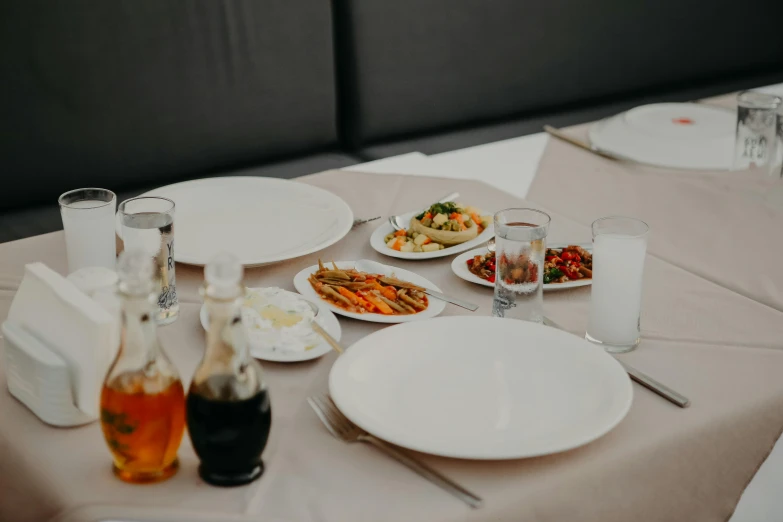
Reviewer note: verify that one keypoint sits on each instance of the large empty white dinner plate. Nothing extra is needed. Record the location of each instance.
(480, 388)
(260, 220)
(378, 243)
(672, 135)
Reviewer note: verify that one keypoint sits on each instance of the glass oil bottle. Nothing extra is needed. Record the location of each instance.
(142, 400)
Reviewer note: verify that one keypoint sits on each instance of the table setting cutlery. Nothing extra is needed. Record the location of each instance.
(343, 429)
(559, 134)
(362, 221)
(643, 379)
(365, 265)
(323, 333)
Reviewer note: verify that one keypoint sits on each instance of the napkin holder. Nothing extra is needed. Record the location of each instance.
(39, 378)
(59, 346)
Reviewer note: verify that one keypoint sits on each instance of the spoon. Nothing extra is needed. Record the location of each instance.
(399, 223)
(491, 245)
(365, 265)
(323, 333)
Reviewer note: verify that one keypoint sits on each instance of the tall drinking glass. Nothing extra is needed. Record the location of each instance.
(88, 222)
(619, 248)
(757, 131)
(519, 252)
(148, 225)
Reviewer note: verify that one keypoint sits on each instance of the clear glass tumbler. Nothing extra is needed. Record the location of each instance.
(519, 252)
(619, 249)
(88, 222)
(757, 131)
(147, 224)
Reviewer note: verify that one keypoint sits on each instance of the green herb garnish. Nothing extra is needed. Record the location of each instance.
(552, 274)
(440, 208)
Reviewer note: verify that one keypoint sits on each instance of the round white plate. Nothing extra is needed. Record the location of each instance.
(672, 135)
(460, 267)
(480, 388)
(434, 308)
(377, 242)
(260, 220)
(325, 318)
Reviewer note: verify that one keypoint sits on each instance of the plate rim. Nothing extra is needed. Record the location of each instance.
(193, 261)
(460, 261)
(300, 280)
(311, 354)
(598, 126)
(376, 242)
(617, 418)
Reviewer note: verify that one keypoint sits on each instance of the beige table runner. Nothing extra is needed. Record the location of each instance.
(661, 462)
(723, 226)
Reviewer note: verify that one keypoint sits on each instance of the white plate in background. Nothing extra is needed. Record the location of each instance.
(671, 135)
(260, 220)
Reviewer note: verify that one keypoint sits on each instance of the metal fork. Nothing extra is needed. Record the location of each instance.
(357, 222)
(343, 429)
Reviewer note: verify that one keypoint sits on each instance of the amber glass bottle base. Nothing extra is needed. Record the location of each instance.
(217, 478)
(147, 477)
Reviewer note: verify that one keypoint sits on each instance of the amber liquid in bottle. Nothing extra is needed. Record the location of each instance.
(142, 400)
(143, 430)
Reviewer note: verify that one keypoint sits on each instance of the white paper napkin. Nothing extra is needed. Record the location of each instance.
(72, 324)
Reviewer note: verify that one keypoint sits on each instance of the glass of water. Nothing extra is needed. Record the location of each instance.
(757, 131)
(147, 224)
(519, 260)
(88, 222)
(619, 249)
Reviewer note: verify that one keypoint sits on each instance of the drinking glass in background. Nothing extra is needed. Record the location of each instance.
(88, 222)
(619, 248)
(757, 132)
(147, 224)
(520, 247)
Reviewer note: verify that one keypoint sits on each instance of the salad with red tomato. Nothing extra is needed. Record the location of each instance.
(560, 265)
(567, 264)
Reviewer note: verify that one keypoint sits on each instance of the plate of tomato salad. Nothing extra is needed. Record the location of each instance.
(565, 266)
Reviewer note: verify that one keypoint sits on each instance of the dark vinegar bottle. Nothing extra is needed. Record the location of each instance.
(229, 414)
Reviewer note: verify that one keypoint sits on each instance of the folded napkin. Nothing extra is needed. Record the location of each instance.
(74, 326)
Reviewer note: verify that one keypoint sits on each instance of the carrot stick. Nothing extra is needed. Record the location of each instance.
(386, 291)
(350, 295)
(355, 299)
(380, 305)
(400, 233)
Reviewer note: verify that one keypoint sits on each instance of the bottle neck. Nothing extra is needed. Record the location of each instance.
(226, 341)
(139, 341)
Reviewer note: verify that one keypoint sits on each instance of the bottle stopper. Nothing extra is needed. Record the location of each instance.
(137, 273)
(223, 276)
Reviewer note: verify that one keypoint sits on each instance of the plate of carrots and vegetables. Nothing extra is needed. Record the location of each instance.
(393, 296)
